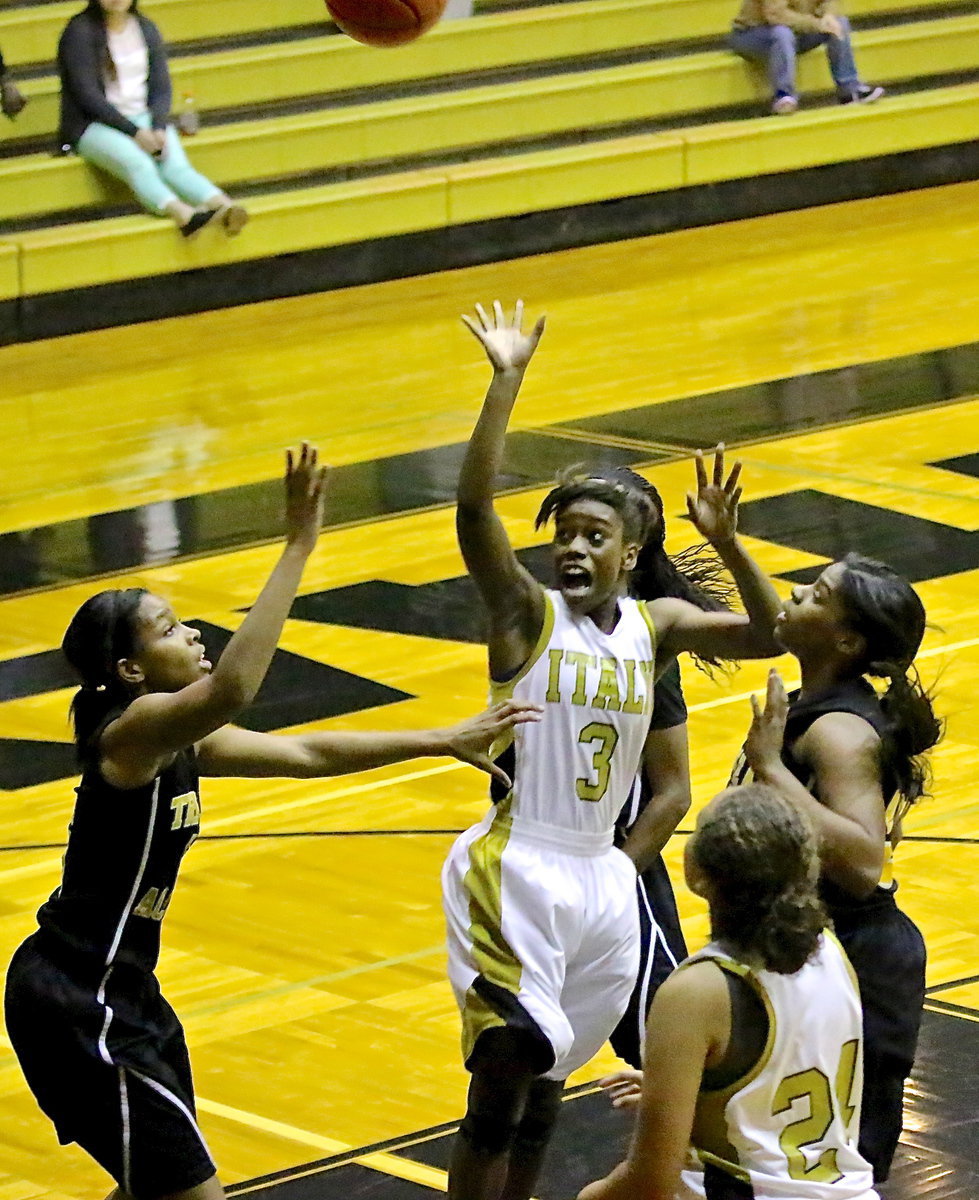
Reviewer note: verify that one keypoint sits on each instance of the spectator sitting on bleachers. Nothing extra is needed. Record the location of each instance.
(775, 31)
(12, 99)
(115, 106)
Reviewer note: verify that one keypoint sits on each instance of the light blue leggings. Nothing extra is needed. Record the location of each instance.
(157, 182)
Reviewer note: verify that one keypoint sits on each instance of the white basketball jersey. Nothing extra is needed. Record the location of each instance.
(791, 1125)
(574, 768)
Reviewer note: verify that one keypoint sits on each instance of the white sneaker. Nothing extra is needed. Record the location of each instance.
(783, 105)
(864, 94)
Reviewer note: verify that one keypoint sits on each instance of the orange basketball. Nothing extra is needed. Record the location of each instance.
(385, 22)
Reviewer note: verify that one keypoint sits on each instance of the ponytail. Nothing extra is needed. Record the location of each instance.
(912, 730)
(888, 614)
(102, 632)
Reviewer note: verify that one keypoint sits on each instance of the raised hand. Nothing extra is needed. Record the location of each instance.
(305, 491)
(507, 347)
(714, 509)
(470, 741)
(763, 745)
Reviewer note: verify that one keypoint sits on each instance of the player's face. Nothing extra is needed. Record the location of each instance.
(115, 6)
(169, 654)
(813, 617)
(591, 556)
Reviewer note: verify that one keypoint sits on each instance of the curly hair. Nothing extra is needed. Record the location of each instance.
(759, 854)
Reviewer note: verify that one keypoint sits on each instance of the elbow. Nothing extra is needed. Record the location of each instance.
(857, 878)
(470, 512)
(678, 805)
(865, 881)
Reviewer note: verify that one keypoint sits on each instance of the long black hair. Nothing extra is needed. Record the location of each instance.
(885, 610)
(760, 856)
(103, 631)
(695, 574)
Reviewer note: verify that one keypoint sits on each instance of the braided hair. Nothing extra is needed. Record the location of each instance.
(103, 631)
(760, 856)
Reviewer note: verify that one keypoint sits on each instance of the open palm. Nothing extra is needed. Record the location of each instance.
(714, 508)
(507, 347)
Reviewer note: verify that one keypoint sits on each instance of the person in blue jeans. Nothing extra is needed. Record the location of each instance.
(773, 32)
(115, 105)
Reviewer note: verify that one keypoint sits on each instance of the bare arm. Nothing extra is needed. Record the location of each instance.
(689, 1028)
(513, 597)
(682, 626)
(155, 726)
(666, 763)
(240, 752)
(843, 752)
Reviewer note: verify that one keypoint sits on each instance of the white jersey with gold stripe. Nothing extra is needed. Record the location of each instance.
(574, 769)
(789, 1128)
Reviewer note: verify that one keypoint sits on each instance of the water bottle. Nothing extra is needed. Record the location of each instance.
(189, 120)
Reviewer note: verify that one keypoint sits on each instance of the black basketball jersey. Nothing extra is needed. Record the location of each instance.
(669, 711)
(855, 696)
(120, 867)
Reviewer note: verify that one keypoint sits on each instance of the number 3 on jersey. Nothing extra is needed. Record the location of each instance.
(605, 739)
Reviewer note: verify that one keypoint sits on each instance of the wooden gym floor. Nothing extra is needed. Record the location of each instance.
(837, 348)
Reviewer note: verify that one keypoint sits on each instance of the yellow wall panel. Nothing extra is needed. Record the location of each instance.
(132, 248)
(730, 150)
(554, 178)
(9, 271)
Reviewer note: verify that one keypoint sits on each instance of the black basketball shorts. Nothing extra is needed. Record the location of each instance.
(111, 1071)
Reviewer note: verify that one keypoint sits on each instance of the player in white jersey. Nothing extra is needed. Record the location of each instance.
(541, 909)
(758, 1038)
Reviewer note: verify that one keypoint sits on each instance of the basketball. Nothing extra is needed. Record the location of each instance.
(385, 22)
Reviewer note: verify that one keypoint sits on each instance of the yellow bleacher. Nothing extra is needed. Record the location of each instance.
(476, 119)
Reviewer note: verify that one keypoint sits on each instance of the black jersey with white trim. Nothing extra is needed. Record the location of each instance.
(121, 863)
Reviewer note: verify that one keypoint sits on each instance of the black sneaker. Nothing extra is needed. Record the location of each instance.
(864, 94)
(198, 221)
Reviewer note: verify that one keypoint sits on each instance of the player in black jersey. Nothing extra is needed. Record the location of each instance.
(101, 1049)
(853, 761)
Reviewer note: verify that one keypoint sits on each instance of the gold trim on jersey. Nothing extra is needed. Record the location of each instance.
(647, 616)
(503, 689)
(493, 956)
(710, 1123)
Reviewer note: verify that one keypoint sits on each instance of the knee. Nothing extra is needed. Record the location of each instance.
(487, 1132)
(540, 1113)
(844, 24)
(783, 38)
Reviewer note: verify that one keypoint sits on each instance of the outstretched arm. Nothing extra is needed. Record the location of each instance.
(843, 753)
(240, 752)
(512, 596)
(680, 625)
(155, 726)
